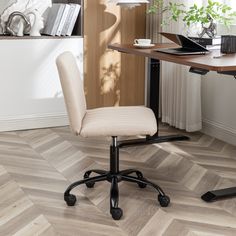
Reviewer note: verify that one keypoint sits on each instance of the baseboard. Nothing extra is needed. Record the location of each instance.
(219, 131)
(33, 121)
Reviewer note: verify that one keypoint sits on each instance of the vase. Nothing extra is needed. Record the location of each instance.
(193, 30)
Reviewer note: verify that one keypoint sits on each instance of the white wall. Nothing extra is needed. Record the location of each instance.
(219, 102)
(219, 106)
(30, 91)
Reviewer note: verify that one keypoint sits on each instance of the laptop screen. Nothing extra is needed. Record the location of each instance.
(184, 42)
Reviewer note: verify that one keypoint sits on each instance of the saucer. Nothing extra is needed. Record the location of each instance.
(143, 45)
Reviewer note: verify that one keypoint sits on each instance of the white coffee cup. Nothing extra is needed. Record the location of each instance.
(142, 41)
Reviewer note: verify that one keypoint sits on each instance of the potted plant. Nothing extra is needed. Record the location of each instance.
(214, 12)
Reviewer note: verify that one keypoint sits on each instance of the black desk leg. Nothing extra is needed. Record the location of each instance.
(153, 103)
(154, 86)
(214, 195)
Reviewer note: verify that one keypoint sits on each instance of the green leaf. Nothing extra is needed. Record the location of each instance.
(213, 10)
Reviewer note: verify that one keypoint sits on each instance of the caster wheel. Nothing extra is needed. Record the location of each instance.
(163, 200)
(90, 185)
(141, 185)
(70, 199)
(116, 213)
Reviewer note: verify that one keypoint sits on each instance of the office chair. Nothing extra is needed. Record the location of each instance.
(106, 121)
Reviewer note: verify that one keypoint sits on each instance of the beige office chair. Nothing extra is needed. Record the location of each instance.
(107, 121)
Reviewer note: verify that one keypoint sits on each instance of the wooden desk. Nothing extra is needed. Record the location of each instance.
(208, 62)
(225, 64)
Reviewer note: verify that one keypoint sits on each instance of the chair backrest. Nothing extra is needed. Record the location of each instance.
(73, 91)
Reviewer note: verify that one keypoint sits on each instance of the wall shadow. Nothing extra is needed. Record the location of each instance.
(111, 76)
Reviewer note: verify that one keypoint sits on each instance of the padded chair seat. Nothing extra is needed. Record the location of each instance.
(118, 121)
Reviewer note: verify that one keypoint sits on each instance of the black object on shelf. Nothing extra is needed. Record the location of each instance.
(228, 44)
(207, 41)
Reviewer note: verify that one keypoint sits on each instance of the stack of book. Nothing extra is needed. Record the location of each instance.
(208, 43)
(61, 19)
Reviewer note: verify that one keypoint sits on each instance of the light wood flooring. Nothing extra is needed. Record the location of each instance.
(36, 166)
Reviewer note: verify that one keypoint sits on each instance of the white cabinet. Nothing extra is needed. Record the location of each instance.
(30, 91)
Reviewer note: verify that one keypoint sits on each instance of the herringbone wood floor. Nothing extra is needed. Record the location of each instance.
(37, 165)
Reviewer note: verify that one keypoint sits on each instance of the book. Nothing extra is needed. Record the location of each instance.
(73, 19)
(68, 19)
(62, 20)
(51, 17)
(57, 20)
(213, 47)
(207, 41)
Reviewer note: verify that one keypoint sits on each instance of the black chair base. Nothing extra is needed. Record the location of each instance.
(114, 179)
(114, 176)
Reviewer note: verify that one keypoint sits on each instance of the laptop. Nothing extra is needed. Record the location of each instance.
(188, 46)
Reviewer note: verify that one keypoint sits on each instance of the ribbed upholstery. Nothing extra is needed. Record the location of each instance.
(107, 121)
(119, 121)
(72, 87)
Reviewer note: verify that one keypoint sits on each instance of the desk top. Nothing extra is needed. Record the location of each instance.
(209, 61)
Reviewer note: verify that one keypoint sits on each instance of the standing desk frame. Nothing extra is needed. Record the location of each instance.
(200, 64)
